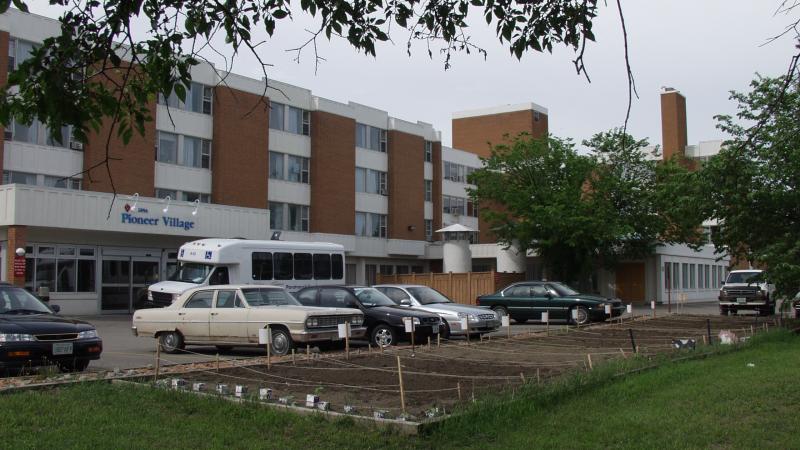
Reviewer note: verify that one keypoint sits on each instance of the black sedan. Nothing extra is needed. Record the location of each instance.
(382, 317)
(529, 299)
(32, 335)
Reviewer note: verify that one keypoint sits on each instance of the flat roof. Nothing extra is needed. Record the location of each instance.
(499, 110)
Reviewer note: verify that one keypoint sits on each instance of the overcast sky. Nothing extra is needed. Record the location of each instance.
(704, 48)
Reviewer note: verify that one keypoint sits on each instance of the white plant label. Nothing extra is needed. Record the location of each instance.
(343, 331)
(464, 323)
(546, 317)
(408, 322)
(264, 336)
(608, 310)
(653, 304)
(629, 308)
(575, 314)
(504, 320)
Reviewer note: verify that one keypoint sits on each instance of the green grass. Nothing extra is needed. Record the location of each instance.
(718, 402)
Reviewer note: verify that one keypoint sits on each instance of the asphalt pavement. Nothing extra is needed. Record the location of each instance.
(122, 350)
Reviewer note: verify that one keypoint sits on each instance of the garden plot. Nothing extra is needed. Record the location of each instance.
(436, 379)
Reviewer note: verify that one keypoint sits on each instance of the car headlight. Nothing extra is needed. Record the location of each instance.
(149, 295)
(88, 334)
(416, 321)
(16, 337)
(470, 317)
(357, 320)
(312, 322)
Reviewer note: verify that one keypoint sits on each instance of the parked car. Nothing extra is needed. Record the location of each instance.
(480, 319)
(382, 317)
(745, 290)
(232, 315)
(528, 299)
(31, 334)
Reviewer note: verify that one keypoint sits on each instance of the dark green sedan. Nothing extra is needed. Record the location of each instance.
(527, 300)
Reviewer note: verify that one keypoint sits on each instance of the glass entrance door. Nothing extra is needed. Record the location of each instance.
(124, 282)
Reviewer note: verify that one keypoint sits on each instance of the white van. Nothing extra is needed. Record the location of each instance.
(293, 265)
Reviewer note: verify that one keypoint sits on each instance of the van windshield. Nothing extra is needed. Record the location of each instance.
(190, 272)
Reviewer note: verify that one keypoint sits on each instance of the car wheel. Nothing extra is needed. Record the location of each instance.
(171, 342)
(224, 348)
(501, 310)
(582, 315)
(520, 321)
(76, 365)
(384, 336)
(281, 342)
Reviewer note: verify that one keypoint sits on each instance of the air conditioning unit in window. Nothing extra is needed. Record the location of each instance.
(75, 145)
(384, 192)
(8, 135)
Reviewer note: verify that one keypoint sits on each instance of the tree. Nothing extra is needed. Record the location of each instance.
(98, 68)
(752, 187)
(578, 212)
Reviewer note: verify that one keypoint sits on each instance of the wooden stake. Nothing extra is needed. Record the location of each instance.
(158, 361)
(308, 352)
(217, 362)
(752, 330)
(623, 353)
(429, 342)
(522, 377)
(458, 387)
(402, 391)
(347, 340)
(269, 344)
(292, 356)
(438, 339)
(369, 347)
(705, 339)
(589, 357)
(538, 376)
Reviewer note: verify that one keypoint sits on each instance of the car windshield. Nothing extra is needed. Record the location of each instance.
(563, 289)
(14, 300)
(189, 272)
(428, 296)
(269, 297)
(741, 277)
(370, 297)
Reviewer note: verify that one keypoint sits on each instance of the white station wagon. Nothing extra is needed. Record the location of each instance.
(232, 315)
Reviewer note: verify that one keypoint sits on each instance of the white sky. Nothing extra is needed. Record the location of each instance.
(704, 48)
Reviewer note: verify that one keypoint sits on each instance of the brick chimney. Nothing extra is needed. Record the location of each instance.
(673, 123)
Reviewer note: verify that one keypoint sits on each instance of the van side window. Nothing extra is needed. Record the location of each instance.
(283, 266)
(262, 266)
(322, 267)
(337, 267)
(220, 276)
(302, 266)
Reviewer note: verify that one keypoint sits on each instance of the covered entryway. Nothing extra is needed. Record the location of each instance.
(630, 282)
(124, 281)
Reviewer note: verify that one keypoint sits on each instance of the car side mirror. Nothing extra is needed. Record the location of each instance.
(722, 282)
(55, 308)
(405, 302)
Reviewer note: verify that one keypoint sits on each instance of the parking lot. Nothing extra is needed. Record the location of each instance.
(122, 350)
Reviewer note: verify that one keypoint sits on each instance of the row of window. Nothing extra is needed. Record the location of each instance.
(199, 99)
(289, 118)
(62, 269)
(287, 167)
(33, 179)
(183, 195)
(297, 266)
(288, 216)
(457, 172)
(370, 224)
(458, 206)
(38, 133)
(683, 276)
(371, 181)
(195, 152)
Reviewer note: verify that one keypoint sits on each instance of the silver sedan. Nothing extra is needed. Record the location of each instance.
(479, 320)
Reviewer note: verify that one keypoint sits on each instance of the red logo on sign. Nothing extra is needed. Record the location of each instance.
(127, 207)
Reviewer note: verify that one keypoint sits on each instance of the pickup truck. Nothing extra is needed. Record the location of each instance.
(746, 290)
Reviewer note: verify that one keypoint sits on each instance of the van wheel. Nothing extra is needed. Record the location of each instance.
(171, 342)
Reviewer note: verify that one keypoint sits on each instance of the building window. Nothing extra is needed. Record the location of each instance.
(287, 216)
(370, 224)
(676, 276)
(428, 230)
(428, 151)
(289, 118)
(685, 275)
(692, 277)
(199, 99)
(700, 282)
(371, 181)
(455, 172)
(706, 277)
(472, 209)
(167, 148)
(164, 193)
(428, 190)
(371, 138)
(289, 167)
(62, 268)
(18, 51)
(62, 182)
(386, 269)
(196, 152)
(454, 205)
(192, 196)
(15, 177)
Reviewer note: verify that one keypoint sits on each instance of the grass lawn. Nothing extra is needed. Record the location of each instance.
(717, 402)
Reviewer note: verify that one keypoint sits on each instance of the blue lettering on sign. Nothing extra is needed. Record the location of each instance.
(169, 222)
(208, 255)
(181, 253)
